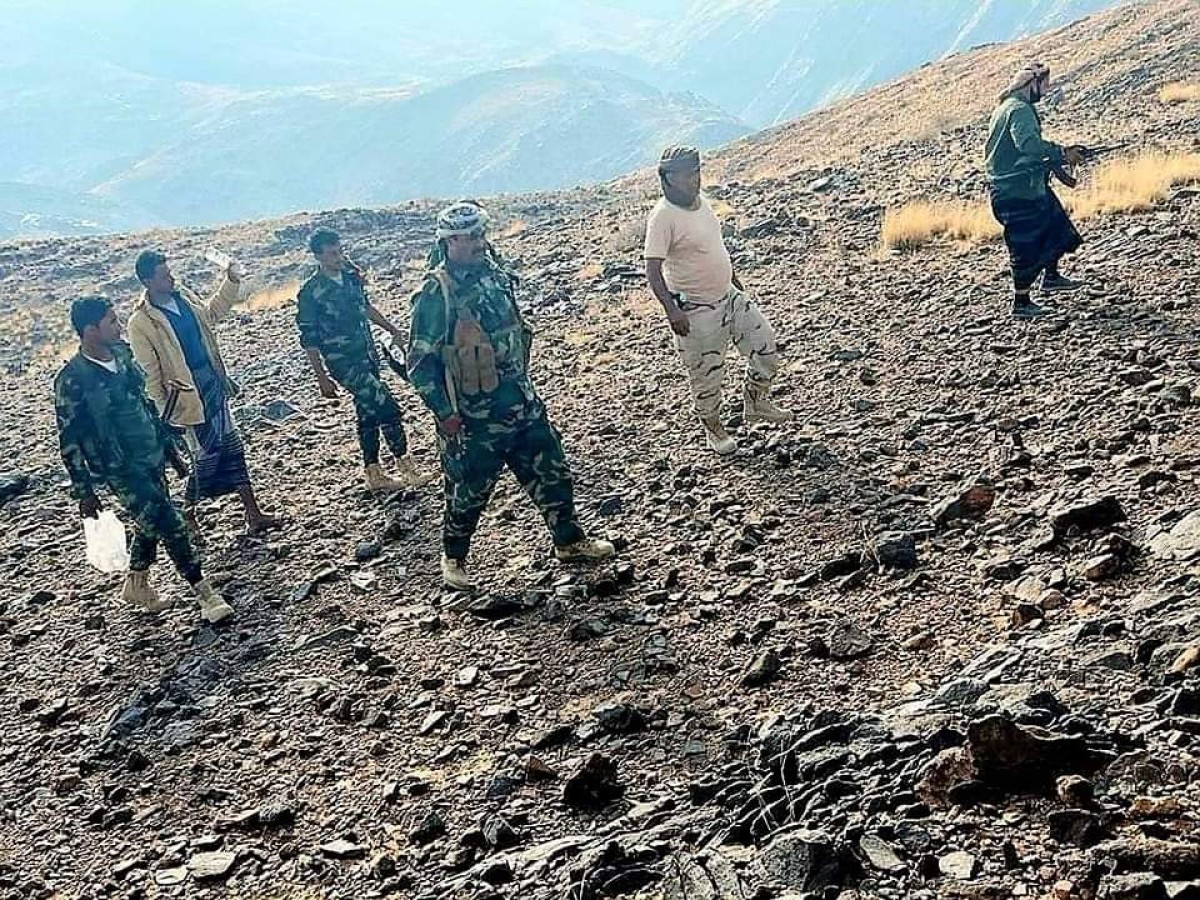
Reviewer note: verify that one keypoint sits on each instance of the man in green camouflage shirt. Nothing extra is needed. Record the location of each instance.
(468, 358)
(110, 435)
(334, 314)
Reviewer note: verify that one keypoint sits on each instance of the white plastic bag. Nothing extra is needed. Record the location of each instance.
(106, 547)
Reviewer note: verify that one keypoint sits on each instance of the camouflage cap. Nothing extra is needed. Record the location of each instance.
(461, 218)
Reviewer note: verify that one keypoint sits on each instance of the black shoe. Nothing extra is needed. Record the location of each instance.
(1056, 283)
(1024, 308)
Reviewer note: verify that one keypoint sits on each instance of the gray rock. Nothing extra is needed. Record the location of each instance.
(880, 854)
(1135, 886)
(212, 864)
(846, 640)
(959, 864)
(1086, 515)
(763, 670)
(806, 860)
(896, 550)
(1024, 759)
(594, 784)
(1181, 542)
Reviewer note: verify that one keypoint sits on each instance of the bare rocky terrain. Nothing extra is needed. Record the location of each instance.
(939, 638)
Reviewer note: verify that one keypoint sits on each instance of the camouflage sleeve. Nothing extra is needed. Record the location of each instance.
(426, 340)
(71, 414)
(307, 320)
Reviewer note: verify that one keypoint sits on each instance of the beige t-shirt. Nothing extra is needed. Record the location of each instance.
(695, 261)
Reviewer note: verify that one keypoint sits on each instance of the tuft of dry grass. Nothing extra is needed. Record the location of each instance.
(916, 224)
(1135, 184)
(1179, 92)
(589, 271)
(274, 296)
(513, 228)
(1122, 185)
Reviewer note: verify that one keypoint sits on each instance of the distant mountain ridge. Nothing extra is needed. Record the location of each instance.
(190, 115)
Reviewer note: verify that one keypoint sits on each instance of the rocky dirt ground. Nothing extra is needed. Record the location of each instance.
(941, 637)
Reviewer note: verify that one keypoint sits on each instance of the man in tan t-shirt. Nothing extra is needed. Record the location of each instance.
(690, 273)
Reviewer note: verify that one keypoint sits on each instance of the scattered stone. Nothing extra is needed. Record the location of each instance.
(212, 864)
(971, 503)
(1086, 515)
(896, 550)
(1102, 567)
(1168, 859)
(619, 718)
(536, 769)
(1079, 827)
(845, 640)
(430, 828)
(343, 849)
(1181, 542)
(1135, 886)
(959, 864)
(12, 485)
(1074, 790)
(367, 551)
(806, 860)
(594, 784)
(880, 854)
(763, 670)
(1026, 759)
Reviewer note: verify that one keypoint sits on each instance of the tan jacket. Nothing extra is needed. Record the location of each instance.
(169, 381)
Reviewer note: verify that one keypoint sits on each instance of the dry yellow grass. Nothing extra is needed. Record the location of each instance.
(513, 228)
(916, 224)
(1179, 92)
(589, 271)
(273, 296)
(1122, 185)
(1131, 185)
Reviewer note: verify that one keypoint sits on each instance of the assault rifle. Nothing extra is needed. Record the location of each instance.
(1064, 173)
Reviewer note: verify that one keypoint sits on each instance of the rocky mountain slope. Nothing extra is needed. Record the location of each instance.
(271, 108)
(937, 639)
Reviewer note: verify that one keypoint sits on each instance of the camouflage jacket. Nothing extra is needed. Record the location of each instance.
(332, 318)
(488, 296)
(107, 425)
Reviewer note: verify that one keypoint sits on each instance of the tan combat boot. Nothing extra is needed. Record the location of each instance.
(407, 471)
(718, 437)
(140, 592)
(454, 575)
(213, 608)
(760, 408)
(378, 481)
(587, 549)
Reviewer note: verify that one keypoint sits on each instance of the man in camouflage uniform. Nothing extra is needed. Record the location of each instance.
(334, 316)
(110, 434)
(468, 358)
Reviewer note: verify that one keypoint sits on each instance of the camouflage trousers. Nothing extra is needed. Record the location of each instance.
(145, 496)
(472, 464)
(737, 320)
(377, 412)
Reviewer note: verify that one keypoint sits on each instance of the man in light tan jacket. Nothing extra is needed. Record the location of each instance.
(171, 333)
